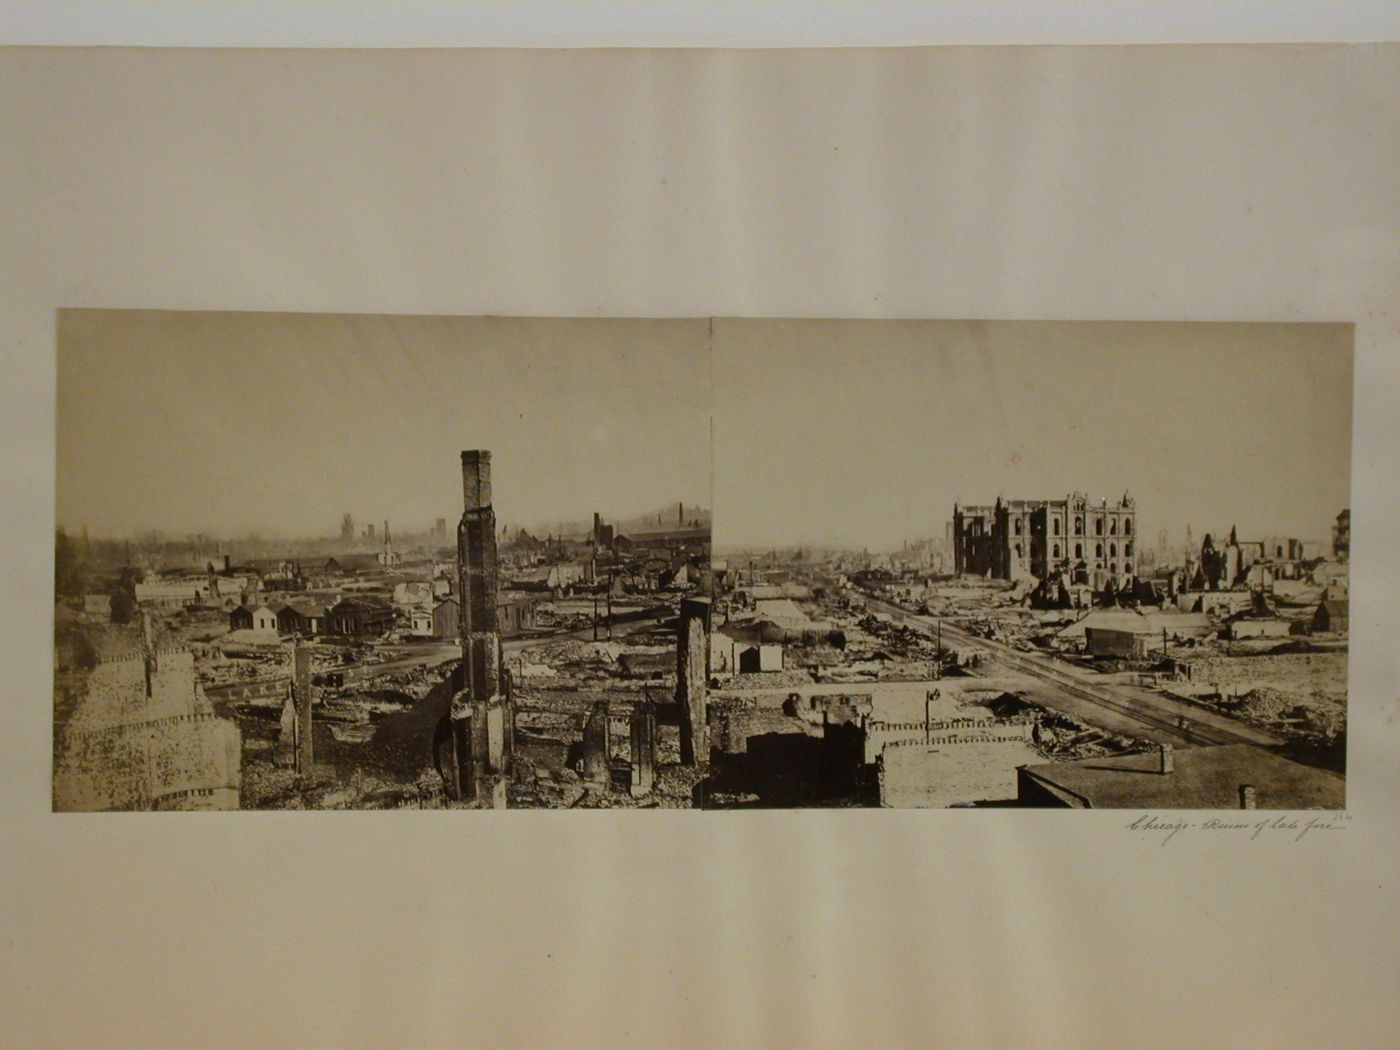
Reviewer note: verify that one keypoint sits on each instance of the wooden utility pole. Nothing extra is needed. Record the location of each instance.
(938, 654)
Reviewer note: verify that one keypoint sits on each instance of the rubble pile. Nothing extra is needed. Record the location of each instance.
(541, 787)
(675, 788)
(1297, 694)
(575, 663)
(415, 682)
(1322, 718)
(814, 657)
(765, 680)
(1063, 739)
(548, 767)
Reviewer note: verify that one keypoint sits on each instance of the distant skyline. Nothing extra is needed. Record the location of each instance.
(856, 433)
(638, 522)
(236, 423)
(838, 433)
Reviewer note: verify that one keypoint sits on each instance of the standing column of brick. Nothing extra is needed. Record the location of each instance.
(691, 671)
(643, 735)
(597, 746)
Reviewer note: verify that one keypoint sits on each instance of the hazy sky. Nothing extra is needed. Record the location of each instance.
(847, 433)
(226, 423)
(859, 433)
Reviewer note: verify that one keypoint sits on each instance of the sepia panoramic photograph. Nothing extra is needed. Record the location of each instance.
(318, 561)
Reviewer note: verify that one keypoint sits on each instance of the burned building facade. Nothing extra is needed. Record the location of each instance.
(1093, 543)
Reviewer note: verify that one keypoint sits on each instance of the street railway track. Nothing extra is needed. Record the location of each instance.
(1188, 729)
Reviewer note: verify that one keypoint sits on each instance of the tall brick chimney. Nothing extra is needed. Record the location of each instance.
(482, 720)
(1247, 800)
(1166, 759)
(476, 578)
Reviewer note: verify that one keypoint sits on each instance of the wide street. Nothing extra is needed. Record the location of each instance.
(1115, 706)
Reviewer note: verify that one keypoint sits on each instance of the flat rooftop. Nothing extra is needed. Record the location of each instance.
(1202, 778)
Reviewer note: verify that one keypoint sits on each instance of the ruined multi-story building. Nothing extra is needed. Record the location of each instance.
(145, 737)
(1092, 542)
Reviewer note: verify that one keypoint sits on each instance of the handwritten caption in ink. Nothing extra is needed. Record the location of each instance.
(1296, 827)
